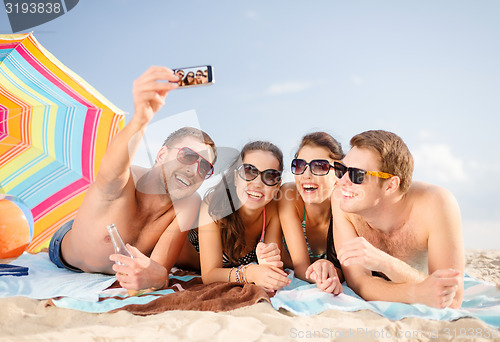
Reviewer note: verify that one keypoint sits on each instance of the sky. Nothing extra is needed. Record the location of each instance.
(428, 71)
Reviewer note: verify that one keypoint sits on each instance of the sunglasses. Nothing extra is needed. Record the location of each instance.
(357, 175)
(187, 156)
(318, 167)
(248, 172)
(199, 75)
(190, 75)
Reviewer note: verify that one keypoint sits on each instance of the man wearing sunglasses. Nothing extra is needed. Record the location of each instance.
(397, 241)
(153, 209)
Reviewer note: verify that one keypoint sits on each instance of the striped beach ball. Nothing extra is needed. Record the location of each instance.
(16, 226)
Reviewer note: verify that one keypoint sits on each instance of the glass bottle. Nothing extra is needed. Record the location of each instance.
(117, 241)
(120, 248)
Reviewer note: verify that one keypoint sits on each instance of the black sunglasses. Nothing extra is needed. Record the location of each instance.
(357, 175)
(248, 172)
(188, 157)
(318, 167)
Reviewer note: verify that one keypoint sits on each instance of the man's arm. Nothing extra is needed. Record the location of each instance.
(149, 96)
(446, 250)
(437, 289)
(142, 272)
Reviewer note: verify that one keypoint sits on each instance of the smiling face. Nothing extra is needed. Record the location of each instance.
(255, 194)
(355, 198)
(181, 179)
(312, 188)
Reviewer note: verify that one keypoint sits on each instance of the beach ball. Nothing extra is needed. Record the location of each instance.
(16, 226)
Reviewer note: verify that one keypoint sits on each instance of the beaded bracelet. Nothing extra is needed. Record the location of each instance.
(229, 276)
(239, 274)
(245, 272)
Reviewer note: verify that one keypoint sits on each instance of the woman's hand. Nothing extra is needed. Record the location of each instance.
(269, 277)
(269, 254)
(324, 274)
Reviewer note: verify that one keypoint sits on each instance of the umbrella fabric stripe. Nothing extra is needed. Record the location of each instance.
(5, 49)
(89, 140)
(25, 164)
(59, 197)
(51, 133)
(50, 74)
(51, 178)
(47, 225)
(54, 127)
(71, 79)
(89, 133)
(11, 154)
(65, 100)
(107, 130)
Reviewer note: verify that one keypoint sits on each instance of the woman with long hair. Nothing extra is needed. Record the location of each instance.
(306, 214)
(239, 223)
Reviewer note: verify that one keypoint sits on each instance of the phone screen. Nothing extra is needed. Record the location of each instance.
(195, 76)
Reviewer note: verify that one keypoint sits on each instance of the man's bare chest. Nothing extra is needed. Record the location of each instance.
(405, 243)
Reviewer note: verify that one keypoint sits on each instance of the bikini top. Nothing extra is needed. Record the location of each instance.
(309, 250)
(246, 259)
(331, 253)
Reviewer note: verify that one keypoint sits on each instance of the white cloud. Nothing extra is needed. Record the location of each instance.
(437, 162)
(425, 134)
(287, 87)
(356, 80)
(251, 14)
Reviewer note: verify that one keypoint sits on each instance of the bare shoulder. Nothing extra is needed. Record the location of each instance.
(435, 208)
(431, 197)
(271, 209)
(288, 193)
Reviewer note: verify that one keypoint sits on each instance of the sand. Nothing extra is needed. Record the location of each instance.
(24, 319)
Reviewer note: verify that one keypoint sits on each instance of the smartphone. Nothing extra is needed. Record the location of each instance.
(195, 76)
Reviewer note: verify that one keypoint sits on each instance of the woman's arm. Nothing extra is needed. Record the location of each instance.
(211, 250)
(291, 224)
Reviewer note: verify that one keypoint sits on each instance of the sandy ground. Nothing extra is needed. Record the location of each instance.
(24, 319)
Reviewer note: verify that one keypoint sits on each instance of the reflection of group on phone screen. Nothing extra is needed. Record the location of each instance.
(192, 78)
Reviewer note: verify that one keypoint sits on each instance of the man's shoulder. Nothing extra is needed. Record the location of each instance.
(429, 194)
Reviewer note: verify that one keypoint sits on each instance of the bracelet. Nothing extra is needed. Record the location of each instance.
(239, 274)
(229, 276)
(245, 272)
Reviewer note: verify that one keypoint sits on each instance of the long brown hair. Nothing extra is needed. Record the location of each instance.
(231, 224)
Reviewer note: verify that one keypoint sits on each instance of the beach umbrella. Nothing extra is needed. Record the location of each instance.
(54, 130)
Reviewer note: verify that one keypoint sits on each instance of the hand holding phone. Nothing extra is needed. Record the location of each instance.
(195, 76)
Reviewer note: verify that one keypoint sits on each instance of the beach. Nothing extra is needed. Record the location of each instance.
(25, 319)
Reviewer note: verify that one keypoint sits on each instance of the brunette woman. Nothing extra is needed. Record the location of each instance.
(306, 215)
(239, 223)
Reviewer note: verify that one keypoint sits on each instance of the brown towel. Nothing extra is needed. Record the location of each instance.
(212, 297)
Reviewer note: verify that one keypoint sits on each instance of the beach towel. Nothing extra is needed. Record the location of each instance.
(184, 293)
(98, 293)
(481, 300)
(45, 280)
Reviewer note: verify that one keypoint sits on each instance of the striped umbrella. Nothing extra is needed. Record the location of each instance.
(54, 130)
